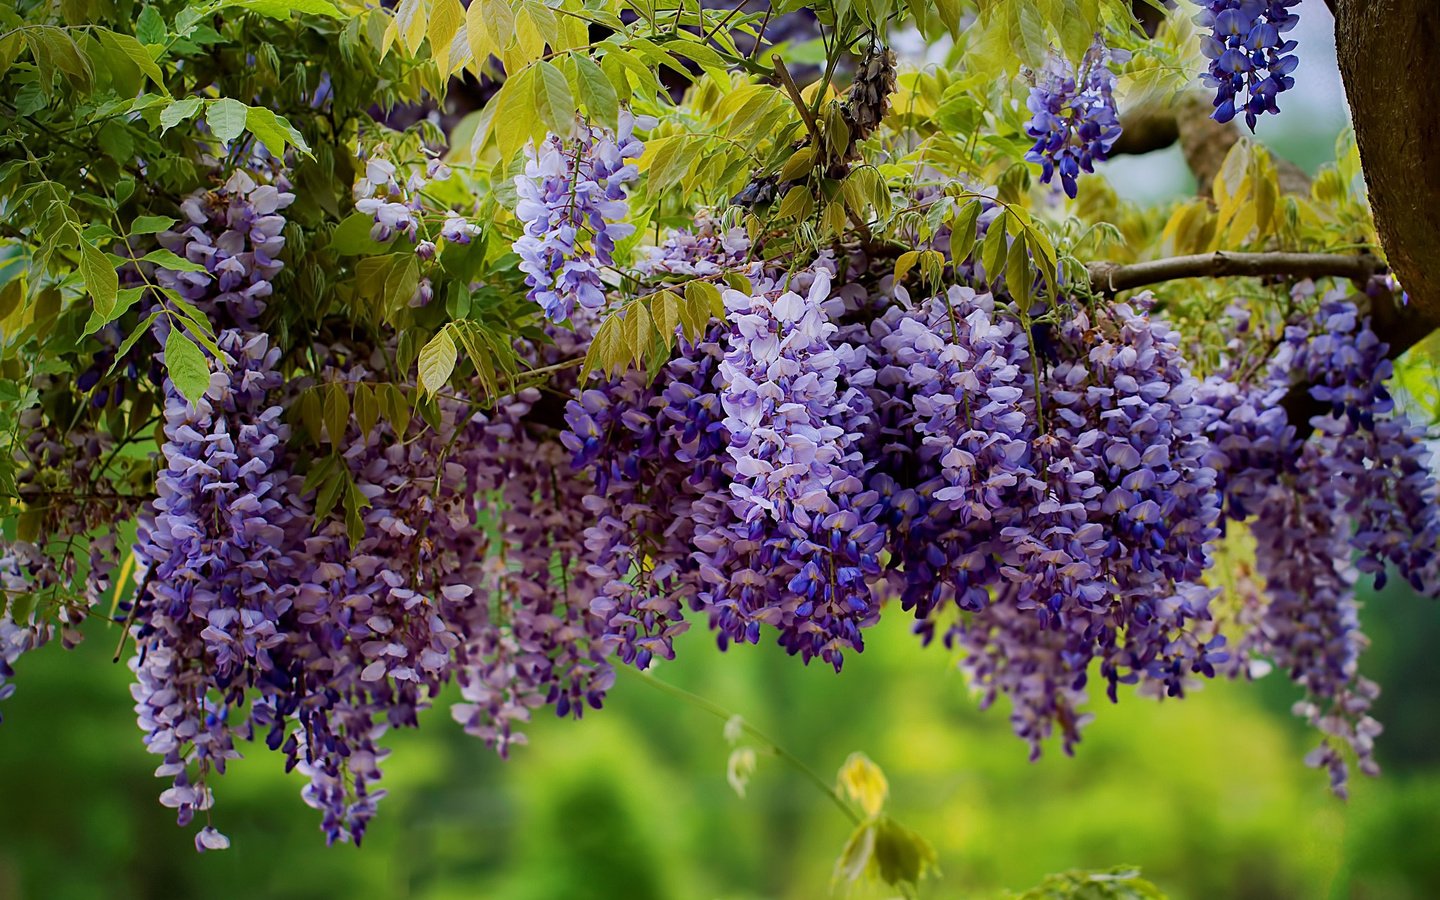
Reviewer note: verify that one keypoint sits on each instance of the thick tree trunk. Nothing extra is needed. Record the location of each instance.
(1390, 61)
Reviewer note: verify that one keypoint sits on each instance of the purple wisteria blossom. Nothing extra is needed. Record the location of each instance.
(1073, 117)
(798, 491)
(235, 233)
(1250, 59)
(572, 206)
(1355, 498)
(209, 612)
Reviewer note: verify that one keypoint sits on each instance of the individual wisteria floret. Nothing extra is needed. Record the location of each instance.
(572, 206)
(1251, 60)
(1073, 117)
(395, 200)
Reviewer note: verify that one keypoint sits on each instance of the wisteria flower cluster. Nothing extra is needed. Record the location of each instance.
(572, 204)
(1250, 59)
(1073, 116)
(1043, 496)
(1357, 498)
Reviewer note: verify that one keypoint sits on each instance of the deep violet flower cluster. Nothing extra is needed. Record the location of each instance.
(1355, 498)
(1250, 59)
(1073, 116)
(572, 203)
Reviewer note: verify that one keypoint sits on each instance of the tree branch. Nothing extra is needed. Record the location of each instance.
(1110, 278)
(1205, 142)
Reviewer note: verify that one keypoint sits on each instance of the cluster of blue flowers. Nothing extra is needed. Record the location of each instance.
(572, 204)
(1250, 59)
(1073, 117)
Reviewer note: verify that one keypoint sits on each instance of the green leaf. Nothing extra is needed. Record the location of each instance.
(367, 408)
(101, 281)
(437, 362)
(516, 118)
(187, 366)
(151, 224)
(992, 249)
(141, 330)
(274, 131)
(596, 92)
(336, 413)
(226, 118)
(962, 231)
(124, 299)
(352, 237)
(150, 26)
(902, 857)
(636, 331)
(607, 350)
(282, 9)
(168, 259)
(665, 310)
(553, 99)
(703, 292)
(178, 111)
(904, 263)
(1019, 276)
(136, 52)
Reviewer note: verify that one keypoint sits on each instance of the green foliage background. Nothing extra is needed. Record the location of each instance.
(1207, 796)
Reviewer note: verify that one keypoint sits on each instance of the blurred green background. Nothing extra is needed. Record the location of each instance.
(1209, 795)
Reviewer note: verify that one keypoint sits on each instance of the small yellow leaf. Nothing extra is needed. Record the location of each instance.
(864, 783)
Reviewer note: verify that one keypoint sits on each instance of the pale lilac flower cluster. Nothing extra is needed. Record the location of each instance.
(1360, 485)
(572, 206)
(16, 638)
(394, 199)
(793, 417)
(703, 251)
(1250, 60)
(1073, 117)
(535, 642)
(236, 233)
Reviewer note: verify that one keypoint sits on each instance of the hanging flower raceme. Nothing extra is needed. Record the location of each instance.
(572, 203)
(1073, 117)
(1250, 59)
(235, 234)
(209, 612)
(798, 490)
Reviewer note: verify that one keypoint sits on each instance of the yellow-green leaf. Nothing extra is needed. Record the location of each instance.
(437, 362)
(864, 783)
(596, 92)
(553, 100)
(226, 118)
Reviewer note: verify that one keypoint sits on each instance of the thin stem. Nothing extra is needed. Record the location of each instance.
(721, 712)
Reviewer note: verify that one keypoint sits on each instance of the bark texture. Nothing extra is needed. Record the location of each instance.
(1390, 62)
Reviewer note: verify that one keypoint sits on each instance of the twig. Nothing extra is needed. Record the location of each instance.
(1110, 278)
(721, 712)
(791, 88)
